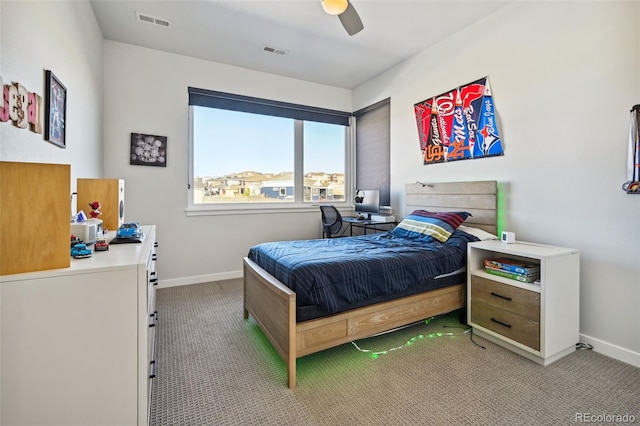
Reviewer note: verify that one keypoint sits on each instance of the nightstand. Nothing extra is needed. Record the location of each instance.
(538, 320)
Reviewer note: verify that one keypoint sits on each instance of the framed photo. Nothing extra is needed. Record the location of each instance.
(148, 150)
(55, 111)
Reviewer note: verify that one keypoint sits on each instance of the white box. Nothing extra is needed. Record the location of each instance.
(508, 237)
(88, 231)
(380, 218)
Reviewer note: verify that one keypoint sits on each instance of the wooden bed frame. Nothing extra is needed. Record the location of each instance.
(273, 305)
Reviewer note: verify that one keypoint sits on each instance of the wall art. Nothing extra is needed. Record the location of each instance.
(459, 124)
(22, 107)
(55, 113)
(148, 150)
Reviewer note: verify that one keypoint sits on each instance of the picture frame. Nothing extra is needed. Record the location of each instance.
(148, 150)
(55, 111)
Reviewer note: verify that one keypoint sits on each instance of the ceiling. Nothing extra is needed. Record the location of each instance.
(318, 49)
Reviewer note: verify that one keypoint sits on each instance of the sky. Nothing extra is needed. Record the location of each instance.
(228, 142)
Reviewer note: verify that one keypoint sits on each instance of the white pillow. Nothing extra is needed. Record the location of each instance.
(483, 235)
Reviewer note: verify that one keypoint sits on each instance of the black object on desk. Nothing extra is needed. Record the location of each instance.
(117, 240)
(366, 224)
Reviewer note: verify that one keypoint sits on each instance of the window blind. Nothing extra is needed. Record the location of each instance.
(373, 136)
(233, 102)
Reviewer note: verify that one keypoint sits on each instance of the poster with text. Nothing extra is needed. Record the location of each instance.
(459, 124)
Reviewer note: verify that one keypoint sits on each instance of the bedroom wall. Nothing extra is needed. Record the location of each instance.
(63, 37)
(146, 92)
(563, 89)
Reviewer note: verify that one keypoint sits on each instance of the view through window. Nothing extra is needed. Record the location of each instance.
(241, 157)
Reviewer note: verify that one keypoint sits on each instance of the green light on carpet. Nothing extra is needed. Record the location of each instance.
(410, 342)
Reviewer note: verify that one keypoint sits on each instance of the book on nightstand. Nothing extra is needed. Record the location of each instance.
(512, 265)
(512, 275)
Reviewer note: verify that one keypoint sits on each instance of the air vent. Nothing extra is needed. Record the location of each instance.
(153, 20)
(274, 50)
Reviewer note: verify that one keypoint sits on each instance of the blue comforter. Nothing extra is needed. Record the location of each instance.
(338, 273)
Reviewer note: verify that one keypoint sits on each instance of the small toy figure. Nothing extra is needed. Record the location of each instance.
(80, 251)
(101, 245)
(129, 230)
(74, 240)
(96, 209)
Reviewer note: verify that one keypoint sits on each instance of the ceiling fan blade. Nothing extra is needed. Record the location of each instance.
(351, 20)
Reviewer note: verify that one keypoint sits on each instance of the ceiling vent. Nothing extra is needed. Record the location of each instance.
(274, 50)
(165, 23)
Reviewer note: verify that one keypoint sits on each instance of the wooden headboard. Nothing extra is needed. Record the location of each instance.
(480, 198)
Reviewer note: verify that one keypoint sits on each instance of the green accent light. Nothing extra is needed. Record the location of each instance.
(410, 342)
(501, 208)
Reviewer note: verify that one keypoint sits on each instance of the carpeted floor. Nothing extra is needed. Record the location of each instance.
(215, 368)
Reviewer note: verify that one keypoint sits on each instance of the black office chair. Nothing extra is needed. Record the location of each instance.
(331, 221)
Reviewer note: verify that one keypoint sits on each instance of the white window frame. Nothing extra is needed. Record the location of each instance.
(298, 205)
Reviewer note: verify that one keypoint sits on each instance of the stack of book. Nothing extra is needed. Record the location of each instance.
(514, 269)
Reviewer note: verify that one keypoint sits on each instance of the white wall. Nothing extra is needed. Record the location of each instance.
(564, 76)
(64, 37)
(146, 92)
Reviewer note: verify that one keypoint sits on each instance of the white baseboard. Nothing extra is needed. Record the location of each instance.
(612, 351)
(197, 279)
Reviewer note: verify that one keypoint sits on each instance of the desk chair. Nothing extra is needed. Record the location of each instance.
(331, 221)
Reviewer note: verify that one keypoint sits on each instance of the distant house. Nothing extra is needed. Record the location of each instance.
(279, 187)
(318, 186)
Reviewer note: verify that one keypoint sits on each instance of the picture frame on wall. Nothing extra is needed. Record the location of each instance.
(55, 111)
(148, 150)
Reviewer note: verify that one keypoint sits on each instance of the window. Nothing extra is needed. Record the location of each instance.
(249, 153)
(324, 162)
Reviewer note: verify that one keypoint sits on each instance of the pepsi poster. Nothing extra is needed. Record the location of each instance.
(459, 124)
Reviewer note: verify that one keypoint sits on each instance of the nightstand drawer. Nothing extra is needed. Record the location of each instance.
(523, 302)
(508, 324)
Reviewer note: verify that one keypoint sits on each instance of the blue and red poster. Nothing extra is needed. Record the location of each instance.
(459, 124)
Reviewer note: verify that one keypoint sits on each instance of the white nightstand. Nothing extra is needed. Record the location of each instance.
(538, 320)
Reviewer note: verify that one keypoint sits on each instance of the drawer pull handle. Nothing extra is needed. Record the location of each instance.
(501, 323)
(500, 296)
(153, 369)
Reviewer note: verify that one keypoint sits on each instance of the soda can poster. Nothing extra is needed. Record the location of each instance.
(459, 124)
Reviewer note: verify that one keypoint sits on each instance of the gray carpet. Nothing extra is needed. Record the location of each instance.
(215, 368)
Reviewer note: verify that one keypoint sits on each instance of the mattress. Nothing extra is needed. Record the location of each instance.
(338, 274)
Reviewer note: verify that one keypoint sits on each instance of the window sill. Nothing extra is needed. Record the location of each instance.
(236, 209)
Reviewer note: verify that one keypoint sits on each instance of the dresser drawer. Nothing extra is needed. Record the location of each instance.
(506, 323)
(506, 297)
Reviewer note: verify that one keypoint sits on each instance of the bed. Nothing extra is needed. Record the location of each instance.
(296, 331)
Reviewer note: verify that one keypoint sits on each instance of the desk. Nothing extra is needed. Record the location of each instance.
(368, 224)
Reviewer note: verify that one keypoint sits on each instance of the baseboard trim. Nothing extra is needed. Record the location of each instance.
(197, 279)
(612, 351)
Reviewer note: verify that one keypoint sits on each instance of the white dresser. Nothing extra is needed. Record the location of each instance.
(78, 342)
